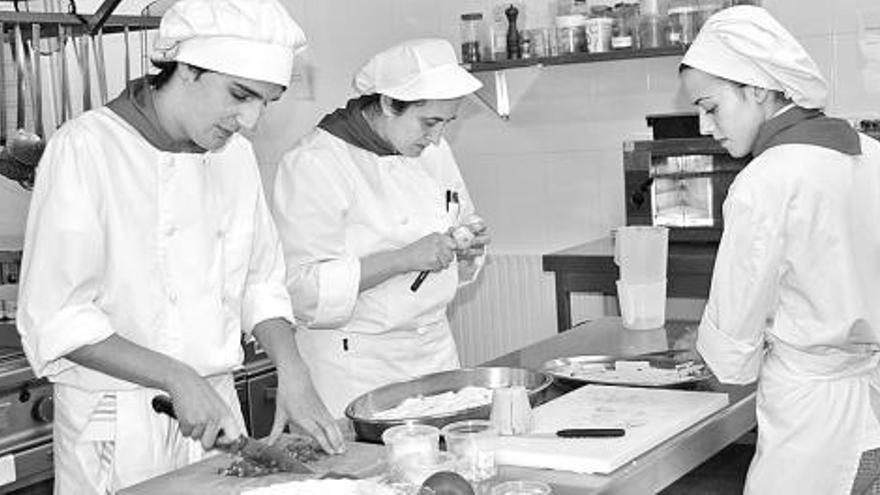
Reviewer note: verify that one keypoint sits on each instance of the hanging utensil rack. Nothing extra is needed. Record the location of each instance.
(49, 23)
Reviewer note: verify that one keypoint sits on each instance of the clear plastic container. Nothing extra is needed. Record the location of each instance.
(652, 31)
(599, 27)
(685, 19)
(471, 37)
(624, 30)
(522, 487)
(472, 442)
(570, 34)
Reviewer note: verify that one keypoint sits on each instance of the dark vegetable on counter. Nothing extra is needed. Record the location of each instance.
(302, 449)
(446, 483)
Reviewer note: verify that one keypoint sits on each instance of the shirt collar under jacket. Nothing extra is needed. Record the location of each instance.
(349, 125)
(136, 105)
(807, 126)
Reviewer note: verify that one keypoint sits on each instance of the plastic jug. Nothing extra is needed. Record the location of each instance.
(641, 253)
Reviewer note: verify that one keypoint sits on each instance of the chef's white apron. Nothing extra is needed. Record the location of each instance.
(814, 420)
(344, 365)
(90, 427)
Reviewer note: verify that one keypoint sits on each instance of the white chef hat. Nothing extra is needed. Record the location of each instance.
(253, 39)
(419, 69)
(747, 45)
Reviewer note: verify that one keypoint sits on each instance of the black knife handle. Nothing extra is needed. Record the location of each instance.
(418, 282)
(590, 432)
(162, 404)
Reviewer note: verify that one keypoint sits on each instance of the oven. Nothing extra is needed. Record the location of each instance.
(680, 183)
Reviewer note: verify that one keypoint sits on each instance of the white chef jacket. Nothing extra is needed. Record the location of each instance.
(335, 203)
(173, 251)
(795, 302)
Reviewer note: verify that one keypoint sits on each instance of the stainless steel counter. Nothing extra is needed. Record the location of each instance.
(661, 466)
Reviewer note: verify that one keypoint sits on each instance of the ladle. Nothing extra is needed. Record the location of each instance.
(26, 146)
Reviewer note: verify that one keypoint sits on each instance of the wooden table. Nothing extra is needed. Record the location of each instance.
(590, 267)
(662, 465)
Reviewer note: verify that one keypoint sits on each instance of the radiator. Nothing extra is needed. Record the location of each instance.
(509, 306)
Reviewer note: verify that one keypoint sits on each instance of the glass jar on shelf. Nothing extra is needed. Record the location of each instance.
(471, 35)
(685, 18)
(652, 31)
(623, 33)
(570, 34)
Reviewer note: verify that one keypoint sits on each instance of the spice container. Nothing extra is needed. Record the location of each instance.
(623, 33)
(411, 448)
(598, 29)
(471, 33)
(472, 442)
(570, 34)
(652, 31)
(684, 21)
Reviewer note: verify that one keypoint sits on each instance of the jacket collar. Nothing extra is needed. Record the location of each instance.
(807, 126)
(136, 105)
(349, 125)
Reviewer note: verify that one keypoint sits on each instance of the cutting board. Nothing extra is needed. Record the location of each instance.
(649, 416)
(203, 478)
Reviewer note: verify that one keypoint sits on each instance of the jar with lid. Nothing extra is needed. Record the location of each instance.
(570, 34)
(598, 28)
(471, 34)
(684, 21)
(623, 30)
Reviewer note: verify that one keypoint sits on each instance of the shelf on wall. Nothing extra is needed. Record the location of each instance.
(578, 58)
(499, 102)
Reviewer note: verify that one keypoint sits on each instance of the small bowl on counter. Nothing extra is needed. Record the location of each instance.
(368, 427)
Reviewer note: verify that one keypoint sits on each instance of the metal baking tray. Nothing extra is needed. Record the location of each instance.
(361, 410)
(560, 369)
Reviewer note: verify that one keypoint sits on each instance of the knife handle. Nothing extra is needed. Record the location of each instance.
(162, 404)
(590, 432)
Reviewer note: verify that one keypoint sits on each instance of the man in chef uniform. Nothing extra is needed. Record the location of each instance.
(150, 249)
(363, 204)
(794, 298)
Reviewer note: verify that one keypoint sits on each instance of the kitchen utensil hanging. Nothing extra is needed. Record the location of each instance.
(26, 146)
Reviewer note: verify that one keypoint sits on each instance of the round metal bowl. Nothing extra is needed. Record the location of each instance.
(361, 410)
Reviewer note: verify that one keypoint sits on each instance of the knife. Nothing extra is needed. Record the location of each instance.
(245, 446)
(581, 433)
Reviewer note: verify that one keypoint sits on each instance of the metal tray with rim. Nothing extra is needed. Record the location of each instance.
(361, 410)
(663, 359)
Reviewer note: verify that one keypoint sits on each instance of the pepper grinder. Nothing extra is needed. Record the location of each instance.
(514, 48)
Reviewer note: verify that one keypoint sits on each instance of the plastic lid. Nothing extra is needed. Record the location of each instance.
(685, 9)
(472, 16)
(469, 427)
(408, 431)
(569, 21)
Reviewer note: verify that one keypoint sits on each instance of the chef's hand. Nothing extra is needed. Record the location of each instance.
(201, 412)
(434, 252)
(477, 246)
(298, 402)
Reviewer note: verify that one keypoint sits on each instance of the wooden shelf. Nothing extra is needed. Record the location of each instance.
(49, 23)
(579, 58)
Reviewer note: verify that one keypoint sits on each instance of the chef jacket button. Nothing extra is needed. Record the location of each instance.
(172, 297)
(404, 220)
(221, 234)
(170, 231)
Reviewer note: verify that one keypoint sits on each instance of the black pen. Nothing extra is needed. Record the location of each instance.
(451, 197)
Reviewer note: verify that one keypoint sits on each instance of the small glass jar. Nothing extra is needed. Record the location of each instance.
(570, 34)
(684, 21)
(623, 30)
(471, 33)
(652, 31)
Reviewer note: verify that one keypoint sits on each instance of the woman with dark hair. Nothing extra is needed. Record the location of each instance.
(366, 203)
(794, 298)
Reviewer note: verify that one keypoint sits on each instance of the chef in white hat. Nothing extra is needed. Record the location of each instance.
(367, 201)
(794, 297)
(150, 253)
